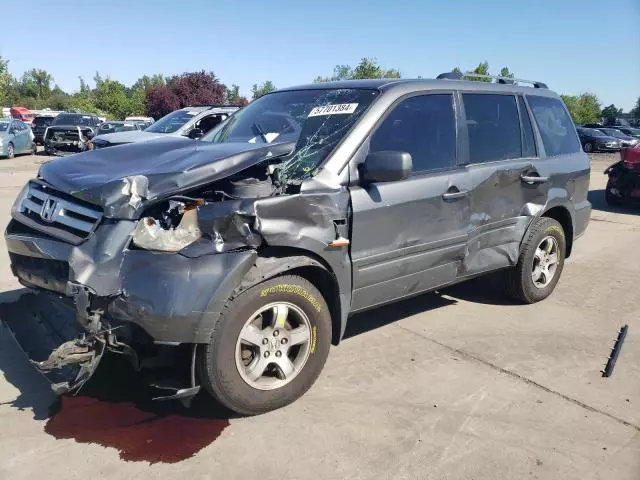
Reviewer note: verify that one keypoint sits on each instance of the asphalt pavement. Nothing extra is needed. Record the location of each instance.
(457, 384)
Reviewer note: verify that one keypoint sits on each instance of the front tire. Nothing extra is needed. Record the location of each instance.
(588, 147)
(34, 149)
(10, 151)
(540, 263)
(268, 347)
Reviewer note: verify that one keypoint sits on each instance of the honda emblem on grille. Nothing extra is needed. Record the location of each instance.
(48, 210)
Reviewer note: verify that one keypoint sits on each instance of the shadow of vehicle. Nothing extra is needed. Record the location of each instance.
(487, 290)
(114, 409)
(598, 202)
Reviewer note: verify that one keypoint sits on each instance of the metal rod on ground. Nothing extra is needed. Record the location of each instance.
(615, 352)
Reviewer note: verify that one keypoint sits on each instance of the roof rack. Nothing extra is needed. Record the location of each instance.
(453, 75)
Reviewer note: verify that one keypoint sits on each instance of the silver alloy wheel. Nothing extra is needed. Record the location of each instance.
(545, 262)
(273, 346)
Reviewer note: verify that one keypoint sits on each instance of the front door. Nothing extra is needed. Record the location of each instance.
(410, 236)
(508, 189)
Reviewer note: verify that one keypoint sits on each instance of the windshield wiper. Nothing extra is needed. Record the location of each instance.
(260, 131)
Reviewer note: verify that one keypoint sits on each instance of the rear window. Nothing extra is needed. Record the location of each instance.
(39, 121)
(555, 125)
(494, 127)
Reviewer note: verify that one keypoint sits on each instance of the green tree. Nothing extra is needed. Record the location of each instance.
(84, 99)
(504, 72)
(635, 111)
(481, 69)
(610, 114)
(233, 96)
(367, 68)
(259, 90)
(111, 98)
(36, 83)
(5, 81)
(584, 108)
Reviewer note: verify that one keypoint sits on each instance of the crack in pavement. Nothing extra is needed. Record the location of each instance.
(512, 374)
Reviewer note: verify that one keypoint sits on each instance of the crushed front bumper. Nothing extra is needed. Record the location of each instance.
(46, 331)
(168, 297)
(113, 298)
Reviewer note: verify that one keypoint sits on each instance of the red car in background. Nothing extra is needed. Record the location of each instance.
(624, 178)
(22, 113)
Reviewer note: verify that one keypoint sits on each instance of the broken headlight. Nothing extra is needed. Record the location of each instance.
(159, 233)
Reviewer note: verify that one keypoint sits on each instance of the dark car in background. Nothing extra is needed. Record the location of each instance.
(626, 140)
(70, 133)
(39, 126)
(594, 140)
(632, 132)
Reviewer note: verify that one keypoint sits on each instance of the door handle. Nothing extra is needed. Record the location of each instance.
(533, 179)
(455, 194)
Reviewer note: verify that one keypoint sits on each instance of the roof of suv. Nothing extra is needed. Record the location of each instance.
(385, 84)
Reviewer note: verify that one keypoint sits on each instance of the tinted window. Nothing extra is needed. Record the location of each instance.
(73, 119)
(494, 127)
(40, 121)
(423, 126)
(528, 144)
(555, 125)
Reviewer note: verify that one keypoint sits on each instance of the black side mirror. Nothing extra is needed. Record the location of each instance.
(195, 133)
(386, 166)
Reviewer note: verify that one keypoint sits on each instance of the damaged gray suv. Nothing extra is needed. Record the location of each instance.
(245, 252)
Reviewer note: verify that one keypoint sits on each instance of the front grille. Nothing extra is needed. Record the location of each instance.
(58, 214)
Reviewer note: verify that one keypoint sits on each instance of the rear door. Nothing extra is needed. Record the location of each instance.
(410, 236)
(509, 185)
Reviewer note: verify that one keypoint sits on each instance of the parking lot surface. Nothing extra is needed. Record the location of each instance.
(457, 384)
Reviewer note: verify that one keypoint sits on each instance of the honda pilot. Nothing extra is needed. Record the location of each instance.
(249, 249)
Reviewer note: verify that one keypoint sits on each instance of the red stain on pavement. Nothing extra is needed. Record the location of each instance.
(136, 434)
(115, 409)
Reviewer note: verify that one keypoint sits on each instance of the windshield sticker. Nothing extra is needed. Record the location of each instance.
(338, 109)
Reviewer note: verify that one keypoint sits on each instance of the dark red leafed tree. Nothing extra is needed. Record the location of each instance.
(186, 90)
(160, 101)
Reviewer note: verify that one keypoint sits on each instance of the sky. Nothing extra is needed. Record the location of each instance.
(574, 46)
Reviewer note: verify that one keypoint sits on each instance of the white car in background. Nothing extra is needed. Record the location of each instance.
(190, 122)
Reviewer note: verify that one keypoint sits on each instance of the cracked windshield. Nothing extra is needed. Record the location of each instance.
(316, 120)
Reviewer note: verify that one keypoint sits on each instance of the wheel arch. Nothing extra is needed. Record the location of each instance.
(562, 215)
(276, 261)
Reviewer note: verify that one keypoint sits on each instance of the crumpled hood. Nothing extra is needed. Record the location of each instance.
(170, 165)
(134, 136)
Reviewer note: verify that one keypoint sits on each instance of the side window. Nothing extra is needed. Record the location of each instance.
(423, 126)
(528, 143)
(555, 125)
(494, 127)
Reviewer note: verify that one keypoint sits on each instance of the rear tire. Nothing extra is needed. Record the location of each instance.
(34, 149)
(540, 263)
(247, 376)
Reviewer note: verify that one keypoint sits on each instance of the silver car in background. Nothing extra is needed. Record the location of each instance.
(15, 137)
